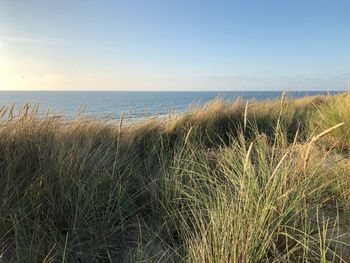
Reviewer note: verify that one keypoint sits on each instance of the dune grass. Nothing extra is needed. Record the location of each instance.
(228, 182)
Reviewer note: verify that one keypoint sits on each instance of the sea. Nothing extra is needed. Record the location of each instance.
(134, 105)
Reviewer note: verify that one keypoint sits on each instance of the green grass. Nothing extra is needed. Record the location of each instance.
(228, 182)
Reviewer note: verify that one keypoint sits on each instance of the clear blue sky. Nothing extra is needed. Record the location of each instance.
(175, 45)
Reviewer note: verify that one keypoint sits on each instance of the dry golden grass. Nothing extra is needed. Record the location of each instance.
(229, 182)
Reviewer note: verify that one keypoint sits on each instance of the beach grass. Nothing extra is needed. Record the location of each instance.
(241, 181)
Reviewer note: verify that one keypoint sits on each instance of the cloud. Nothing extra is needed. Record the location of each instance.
(50, 78)
(34, 40)
(54, 77)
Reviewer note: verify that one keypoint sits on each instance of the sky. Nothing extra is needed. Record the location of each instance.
(174, 45)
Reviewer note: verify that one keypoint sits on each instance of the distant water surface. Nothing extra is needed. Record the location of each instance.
(135, 105)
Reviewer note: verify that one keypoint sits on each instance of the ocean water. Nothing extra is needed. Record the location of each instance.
(135, 105)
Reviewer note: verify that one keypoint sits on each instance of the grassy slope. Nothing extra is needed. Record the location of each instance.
(238, 182)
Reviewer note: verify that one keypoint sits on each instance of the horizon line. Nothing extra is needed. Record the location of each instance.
(115, 90)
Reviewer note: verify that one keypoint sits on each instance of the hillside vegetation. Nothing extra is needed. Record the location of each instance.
(228, 182)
